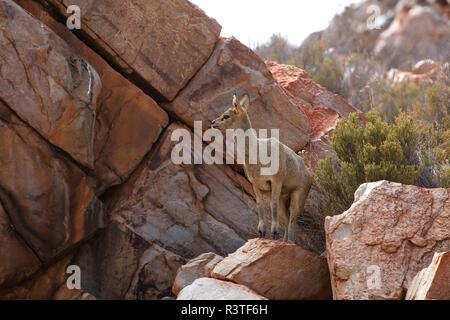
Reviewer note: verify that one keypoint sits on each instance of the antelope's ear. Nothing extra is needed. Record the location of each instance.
(245, 101)
(235, 101)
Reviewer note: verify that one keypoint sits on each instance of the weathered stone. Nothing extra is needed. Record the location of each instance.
(17, 259)
(46, 197)
(432, 282)
(375, 248)
(162, 43)
(199, 267)
(47, 282)
(213, 289)
(156, 273)
(277, 270)
(301, 85)
(191, 209)
(47, 84)
(128, 121)
(234, 68)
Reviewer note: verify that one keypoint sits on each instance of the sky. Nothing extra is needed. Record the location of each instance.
(254, 21)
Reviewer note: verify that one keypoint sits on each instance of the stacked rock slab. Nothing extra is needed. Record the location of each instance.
(47, 84)
(127, 121)
(277, 270)
(161, 45)
(182, 210)
(196, 268)
(47, 110)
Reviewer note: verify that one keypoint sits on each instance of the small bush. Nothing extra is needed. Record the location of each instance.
(377, 151)
(325, 68)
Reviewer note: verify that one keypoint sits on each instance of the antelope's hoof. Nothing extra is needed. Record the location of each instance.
(262, 234)
(275, 235)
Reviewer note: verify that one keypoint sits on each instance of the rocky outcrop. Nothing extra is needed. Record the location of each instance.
(199, 267)
(174, 212)
(159, 214)
(390, 233)
(416, 33)
(127, 121)
(84, 131)
(47, 84)
(432, 282)
(161, 45)
(213, 289)
(234, 68)
(276, 270)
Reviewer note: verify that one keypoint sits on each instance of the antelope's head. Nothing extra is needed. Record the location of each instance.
(235, 117)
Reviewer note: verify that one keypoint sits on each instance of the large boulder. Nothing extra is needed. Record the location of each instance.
(196, 268)
(127, 121)
(277, 270)
(390, 233)
(213, 289)
(45, 196)
(47, 83)
(234, 68)
(162, 44)
(432, 282)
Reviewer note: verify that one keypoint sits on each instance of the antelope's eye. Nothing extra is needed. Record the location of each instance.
(226, 117)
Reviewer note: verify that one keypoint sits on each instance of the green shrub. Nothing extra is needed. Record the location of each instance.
(377, 151)
(277, 49)
(325, 68)
(428, 105)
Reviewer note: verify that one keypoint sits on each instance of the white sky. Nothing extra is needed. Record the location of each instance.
(254, 21)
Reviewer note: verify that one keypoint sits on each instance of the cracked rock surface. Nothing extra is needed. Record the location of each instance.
(376, 248)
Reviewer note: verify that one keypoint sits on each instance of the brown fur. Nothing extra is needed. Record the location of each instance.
(286, 191)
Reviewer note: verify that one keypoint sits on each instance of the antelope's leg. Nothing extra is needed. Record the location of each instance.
(298, 199)
(275, 201)
(260, 203)
(283, 216)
